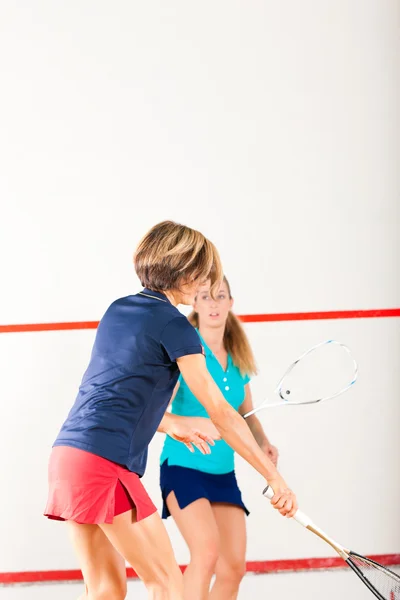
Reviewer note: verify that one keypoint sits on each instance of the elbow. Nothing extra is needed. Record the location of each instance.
(223, 417)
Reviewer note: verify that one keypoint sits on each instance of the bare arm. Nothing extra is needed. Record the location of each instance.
(233, 429)
(191, 431)
(256, 428)
(168, 418)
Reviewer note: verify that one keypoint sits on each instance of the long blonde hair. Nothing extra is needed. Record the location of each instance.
(171, 254)
(236, 342)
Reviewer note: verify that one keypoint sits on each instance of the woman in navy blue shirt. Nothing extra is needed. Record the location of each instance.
(100, 454)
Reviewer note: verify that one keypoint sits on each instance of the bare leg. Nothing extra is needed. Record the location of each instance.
(231, 565)
(102, 567)
(145, 545)
(197, 524)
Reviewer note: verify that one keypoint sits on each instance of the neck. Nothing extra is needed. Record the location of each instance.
(214, 337)
(171, 297)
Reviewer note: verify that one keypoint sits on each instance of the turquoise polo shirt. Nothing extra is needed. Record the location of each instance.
(232, 385)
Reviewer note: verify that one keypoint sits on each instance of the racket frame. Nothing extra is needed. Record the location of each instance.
(278, 389)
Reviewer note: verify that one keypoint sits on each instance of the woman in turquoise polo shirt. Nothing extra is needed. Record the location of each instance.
(200, 491)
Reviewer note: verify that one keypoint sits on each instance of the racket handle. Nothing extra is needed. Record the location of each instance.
(300, 517)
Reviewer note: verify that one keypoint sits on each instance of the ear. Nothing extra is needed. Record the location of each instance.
(232, 302)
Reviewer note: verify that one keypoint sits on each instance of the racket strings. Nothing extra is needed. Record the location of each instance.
(323, 372)
(383, 582)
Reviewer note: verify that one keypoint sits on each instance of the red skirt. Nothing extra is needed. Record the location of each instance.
(87, 488)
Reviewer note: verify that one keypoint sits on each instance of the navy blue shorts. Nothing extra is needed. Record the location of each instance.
(190, 484)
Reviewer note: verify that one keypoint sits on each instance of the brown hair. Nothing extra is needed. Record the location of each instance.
(171, 254)
(235, 340)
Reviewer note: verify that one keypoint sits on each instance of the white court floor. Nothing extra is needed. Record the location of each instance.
(317, 585)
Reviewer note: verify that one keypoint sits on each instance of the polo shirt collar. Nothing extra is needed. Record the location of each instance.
(208, 351)
(153, 294)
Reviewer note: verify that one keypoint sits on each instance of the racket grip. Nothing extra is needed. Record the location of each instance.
(300, 517)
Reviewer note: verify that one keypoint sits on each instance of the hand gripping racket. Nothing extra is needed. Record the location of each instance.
(382, 582)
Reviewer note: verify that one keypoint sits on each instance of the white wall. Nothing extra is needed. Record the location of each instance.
(273, 128)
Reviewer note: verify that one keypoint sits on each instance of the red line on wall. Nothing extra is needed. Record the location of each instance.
(319, 316)
(274, 317)
(48, 326)
(258, 567)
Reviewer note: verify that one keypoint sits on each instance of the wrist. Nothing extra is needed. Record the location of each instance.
(166, 422)
(264, 446)
(270, 472)
(276, 481)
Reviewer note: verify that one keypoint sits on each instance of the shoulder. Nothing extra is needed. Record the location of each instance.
(178, 321)
(129, 307)
(179, 338)
(178, 327)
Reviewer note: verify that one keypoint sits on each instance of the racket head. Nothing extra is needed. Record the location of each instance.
(383, 583)
(325, 371)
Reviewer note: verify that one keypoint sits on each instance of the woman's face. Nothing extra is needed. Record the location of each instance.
(212, 313)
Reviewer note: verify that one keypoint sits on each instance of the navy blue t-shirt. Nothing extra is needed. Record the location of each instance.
(128, 384)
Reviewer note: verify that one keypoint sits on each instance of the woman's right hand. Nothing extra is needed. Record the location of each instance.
(205, 425)
(194, 432)
(283, 499)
